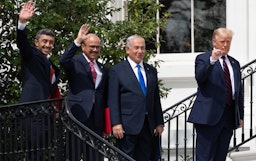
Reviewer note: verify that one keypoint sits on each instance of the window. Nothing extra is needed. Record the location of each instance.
(190, 26)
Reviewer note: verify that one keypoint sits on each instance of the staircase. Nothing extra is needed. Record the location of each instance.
(244, 156)
(55, 132)
(180, 141)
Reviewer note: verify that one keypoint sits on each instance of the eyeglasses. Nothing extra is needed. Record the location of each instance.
(94, 47)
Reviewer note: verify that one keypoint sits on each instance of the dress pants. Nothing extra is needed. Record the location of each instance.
(212, 142)
(139, 146)
(36, 131)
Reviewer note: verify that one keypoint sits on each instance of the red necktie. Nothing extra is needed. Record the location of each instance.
(56, 92)
(94, 74)
(228, 82)
(52, 72)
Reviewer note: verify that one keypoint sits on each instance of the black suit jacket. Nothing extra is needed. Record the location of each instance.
(82, 96)
(35, 68)
(127, 101)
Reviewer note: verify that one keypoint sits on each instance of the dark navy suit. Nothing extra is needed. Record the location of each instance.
(87, 103)
(82, 96)
(213, 119)
(36, 86)
(127, 106)
(35, 71)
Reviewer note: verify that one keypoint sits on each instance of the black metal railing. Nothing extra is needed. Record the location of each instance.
(45, 130)
(180, 141)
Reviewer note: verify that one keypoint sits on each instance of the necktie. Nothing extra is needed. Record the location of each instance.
(94, 74)
(52, 75)
(227, 81)
(141, 80)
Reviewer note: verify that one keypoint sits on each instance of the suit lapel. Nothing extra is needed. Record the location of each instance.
(45, 64)
(101, 67)
(236, 71)
(130, 73)
(149, 76)
(85, 65)
(219, 73)
(87, 68)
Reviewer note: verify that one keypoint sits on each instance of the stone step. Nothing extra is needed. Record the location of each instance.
(243, 156)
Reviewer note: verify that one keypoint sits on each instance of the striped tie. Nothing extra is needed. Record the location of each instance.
(228, 82)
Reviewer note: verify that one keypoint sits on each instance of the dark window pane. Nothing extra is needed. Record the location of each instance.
(177, 34)
(208, 15)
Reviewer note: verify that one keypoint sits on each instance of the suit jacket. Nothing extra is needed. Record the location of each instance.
(35, 68)
(211, 95)
(127, 101)
(83, 96)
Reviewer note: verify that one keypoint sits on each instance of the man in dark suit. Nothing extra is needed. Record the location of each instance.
(218, 108)
(40, 76)
(136, 113)
(36, 65)
(87, 95)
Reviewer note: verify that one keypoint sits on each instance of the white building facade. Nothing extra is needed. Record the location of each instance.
(177, 70)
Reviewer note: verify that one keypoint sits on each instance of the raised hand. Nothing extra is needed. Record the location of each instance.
(82, 34)
(216, 54)
(27, 12)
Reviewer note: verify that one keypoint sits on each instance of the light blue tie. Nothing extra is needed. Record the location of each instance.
(141, 80)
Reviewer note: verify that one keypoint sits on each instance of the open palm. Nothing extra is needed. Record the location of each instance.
(27, 11)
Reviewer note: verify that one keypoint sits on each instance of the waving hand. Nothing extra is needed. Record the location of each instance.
(27, 12)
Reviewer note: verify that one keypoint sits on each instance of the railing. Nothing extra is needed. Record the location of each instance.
(175, 118)
(46, 130)
(180, 141)
(51, 135)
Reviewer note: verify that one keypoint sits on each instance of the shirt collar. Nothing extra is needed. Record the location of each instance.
(133, 64)
(88, 60)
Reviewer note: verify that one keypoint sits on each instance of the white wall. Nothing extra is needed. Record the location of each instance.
(177, 73)
(177, 70)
